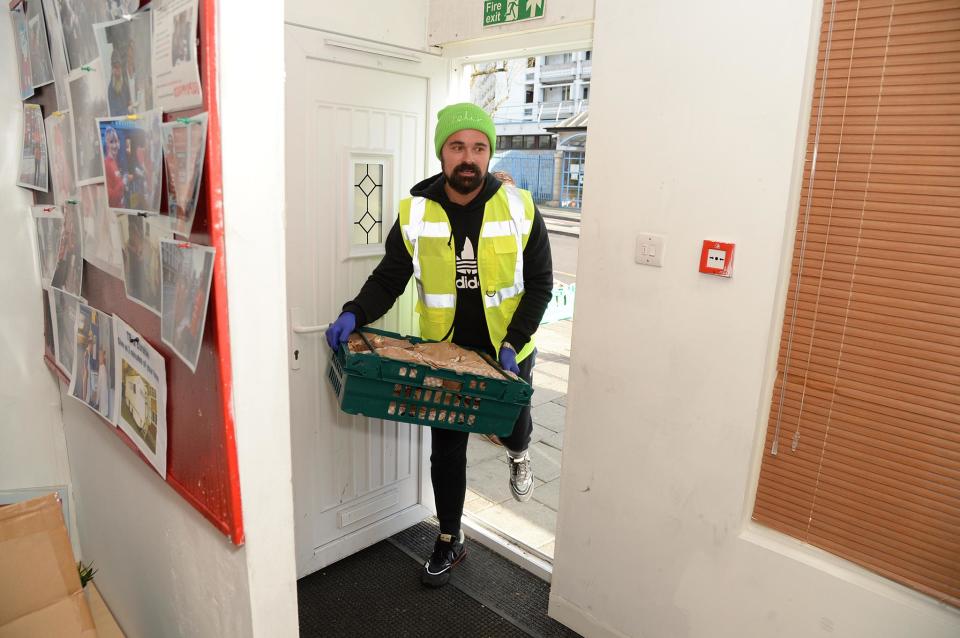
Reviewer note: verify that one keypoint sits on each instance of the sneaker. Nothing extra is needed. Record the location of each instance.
(521, 476)
(447, 552)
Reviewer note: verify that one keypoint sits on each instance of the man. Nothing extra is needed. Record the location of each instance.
(480, 253)
(118, 94)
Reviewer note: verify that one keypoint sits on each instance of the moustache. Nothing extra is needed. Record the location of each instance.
(466, 166)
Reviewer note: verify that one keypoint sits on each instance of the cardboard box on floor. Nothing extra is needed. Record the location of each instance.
(40, 593)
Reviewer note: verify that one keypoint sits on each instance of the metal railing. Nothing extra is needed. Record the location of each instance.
(539, 111)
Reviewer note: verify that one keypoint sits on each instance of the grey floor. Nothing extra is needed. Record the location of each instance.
(488, 491)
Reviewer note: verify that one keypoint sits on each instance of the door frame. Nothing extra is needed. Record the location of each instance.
(319, 44)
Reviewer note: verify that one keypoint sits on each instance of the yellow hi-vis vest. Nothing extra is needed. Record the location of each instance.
(507, 220)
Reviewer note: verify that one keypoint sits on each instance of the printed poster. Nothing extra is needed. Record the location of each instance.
(68, 272)
(77, 18)
(49, 222)
(132, 152)
(21, 41)
(33, 153)
(187, 273)
(65, 308)
(58, 54)
(60, 147)
(88, 101)
(129, 78)
(140, 244)
(184, 144)
(93, 381)
(176, 77)
(41, 66)
(101, 231)
(141, 397)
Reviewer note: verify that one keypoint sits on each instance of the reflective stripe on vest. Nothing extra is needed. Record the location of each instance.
(426, 233)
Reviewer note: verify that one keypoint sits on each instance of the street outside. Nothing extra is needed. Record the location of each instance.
(488, 501)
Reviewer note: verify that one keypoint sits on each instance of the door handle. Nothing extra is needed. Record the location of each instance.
(305, 330)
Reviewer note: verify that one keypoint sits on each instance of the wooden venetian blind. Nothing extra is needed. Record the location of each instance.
(862, 452)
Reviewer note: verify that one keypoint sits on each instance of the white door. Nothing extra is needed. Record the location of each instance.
(356, 140)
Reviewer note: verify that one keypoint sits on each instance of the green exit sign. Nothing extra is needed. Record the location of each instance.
(506, 11)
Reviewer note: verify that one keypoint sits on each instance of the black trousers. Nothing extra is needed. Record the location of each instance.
(448, 460)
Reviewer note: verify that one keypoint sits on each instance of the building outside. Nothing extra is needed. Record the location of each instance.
(539, 105)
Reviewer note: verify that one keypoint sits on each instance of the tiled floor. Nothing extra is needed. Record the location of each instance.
(488, 490)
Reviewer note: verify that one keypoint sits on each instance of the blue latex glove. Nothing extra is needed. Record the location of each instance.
(508, 359)
(340, 329)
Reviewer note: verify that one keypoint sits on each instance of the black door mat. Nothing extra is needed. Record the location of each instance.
(492, 581)
(377, 592)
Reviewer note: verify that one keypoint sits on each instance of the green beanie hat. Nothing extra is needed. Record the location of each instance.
(458, 117)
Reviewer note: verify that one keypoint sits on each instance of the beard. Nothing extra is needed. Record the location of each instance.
(465, 184)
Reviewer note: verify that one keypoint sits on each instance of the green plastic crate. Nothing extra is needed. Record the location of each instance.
(370, 385)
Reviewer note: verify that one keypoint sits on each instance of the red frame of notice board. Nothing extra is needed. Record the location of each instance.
(203, 467)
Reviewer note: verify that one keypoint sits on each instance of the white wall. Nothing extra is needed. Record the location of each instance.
(401, 23)
(697, 128)
(32, 449)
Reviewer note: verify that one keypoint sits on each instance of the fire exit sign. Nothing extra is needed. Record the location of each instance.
(506, 11)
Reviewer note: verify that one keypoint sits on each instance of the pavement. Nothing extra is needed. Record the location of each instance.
(561, 221)
(488, 499)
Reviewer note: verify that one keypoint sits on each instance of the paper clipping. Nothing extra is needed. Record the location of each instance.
(57, 54)
(141, 407)
(88, 101)
(21, 41)
(139, 241)
(49, 222)
(132, 162)
(65, 308)
(77, 18)
(93, 380)
(187, 273)
(184, 144)
(41, 67)
(101, 232)
(68, 273)
(176, 78)
(63, 179)
(129, 80)
(33, 154)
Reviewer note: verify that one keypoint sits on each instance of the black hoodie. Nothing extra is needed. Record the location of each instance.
(390, 277)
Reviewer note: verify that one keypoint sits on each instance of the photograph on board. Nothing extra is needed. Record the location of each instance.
(49, 223)
(49, 321)
(93, 380)
(176, 77)
(65, 312)
(141, 382)
(21, 42)
(140, 242)
(77, 18)
(63, 179)
(126, 43)
(58, 54)
(184, 144)
(132, 152)
(187, 273)
(101, 231)
(68, 273)
(88, 101)
(41, 66)
(121, 8)
(33, 155)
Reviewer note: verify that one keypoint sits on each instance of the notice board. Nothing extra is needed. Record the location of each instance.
(201, 449)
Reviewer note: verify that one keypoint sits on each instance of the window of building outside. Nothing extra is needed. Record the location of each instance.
(528, 97)
(587, 55)
(586, 92)
(531, 63)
